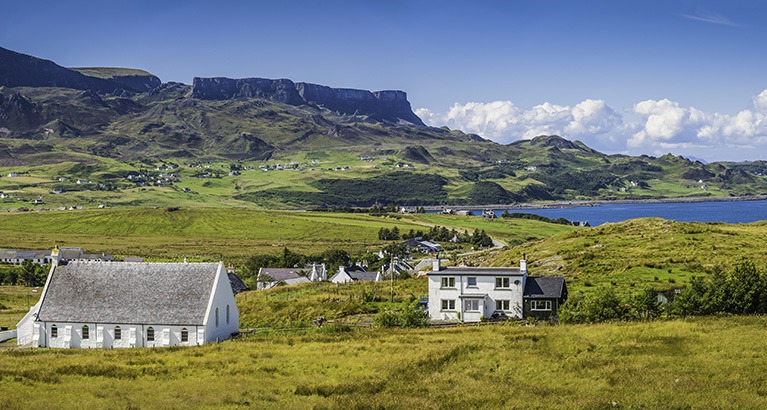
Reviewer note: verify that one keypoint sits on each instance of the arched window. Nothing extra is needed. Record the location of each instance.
(184, 335)
(118, 333)
(150, 334)
(227, 314)
(216, 317)
(85, 332)
(54, 331)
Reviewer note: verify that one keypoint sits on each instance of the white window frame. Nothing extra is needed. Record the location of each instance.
(448, 304)
(505, 305)
(118, 333)
(546, 305)
(505, 282)
(471, 305)
(469, 280)
(448, 282)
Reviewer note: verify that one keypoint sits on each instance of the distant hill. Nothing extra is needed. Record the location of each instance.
(341, 147)
(21, 70)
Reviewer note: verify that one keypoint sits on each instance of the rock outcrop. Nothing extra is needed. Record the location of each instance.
(391, 106)
(21, 70)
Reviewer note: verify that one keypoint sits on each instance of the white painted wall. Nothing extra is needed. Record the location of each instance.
(102, 335)
(221, 298)
(485, 286)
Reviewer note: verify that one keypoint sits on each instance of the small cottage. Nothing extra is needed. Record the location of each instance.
(544, 295)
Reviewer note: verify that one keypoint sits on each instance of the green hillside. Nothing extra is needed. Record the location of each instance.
(632, 255)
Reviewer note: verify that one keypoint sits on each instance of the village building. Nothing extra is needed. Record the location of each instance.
(18, 256)
(270, 277)
(470, 294)
(130, 304)
(421, 245)
(354, 273)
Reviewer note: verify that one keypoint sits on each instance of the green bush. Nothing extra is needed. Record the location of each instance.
(386, 318)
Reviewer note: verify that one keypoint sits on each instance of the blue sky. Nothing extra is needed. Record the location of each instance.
(636, 77)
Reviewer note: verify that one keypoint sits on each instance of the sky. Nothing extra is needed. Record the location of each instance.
(635, 77)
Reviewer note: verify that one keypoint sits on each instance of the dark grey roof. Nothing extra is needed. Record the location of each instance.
(279, 274)
(237, 284)
(476, 271)
(548, 287)
(131, 293)
(360, 275)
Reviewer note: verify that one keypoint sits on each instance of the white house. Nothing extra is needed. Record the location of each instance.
(469, 294)
(271, 277)
(133, 304)
(354, 274)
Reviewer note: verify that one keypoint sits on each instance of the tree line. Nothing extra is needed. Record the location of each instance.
(478, 238)
(741, 290)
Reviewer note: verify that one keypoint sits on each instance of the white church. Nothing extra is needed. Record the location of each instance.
(131, 304)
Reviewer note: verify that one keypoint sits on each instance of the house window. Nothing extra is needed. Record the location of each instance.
(85, 332)
(54, 331)
(502, 283)
(502, 304)
(118, 333)
(184, 335)
(471, 281)
(470, 305)
(448, 304)
(216, 317)
(150, 334)
(227, 314)
(540, 305)
(448, 281)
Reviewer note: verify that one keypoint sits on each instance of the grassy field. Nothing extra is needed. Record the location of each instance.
(701, 363)
(201, 233)
(643, 252)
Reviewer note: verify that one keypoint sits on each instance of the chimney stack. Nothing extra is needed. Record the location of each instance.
(436, 264)
(523, 265)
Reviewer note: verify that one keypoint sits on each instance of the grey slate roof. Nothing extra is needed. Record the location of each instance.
(476, 271)
(130, 293)
(279, 274)
(544, 287)
(237, 284)
(361, 275)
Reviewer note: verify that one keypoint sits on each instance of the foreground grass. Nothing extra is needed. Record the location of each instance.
(701, 363)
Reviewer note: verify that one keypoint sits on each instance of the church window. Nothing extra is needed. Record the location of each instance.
(150, 334)
(184, 335)
(54, 331)
(85, 332)
(216, 317)
(118, 333)
(227, 314)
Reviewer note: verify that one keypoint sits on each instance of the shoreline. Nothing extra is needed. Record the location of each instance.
(594, 202)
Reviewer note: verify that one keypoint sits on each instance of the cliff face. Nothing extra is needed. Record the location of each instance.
(21, 70)
(390, 106)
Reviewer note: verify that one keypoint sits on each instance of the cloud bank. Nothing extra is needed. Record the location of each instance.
(648, 127)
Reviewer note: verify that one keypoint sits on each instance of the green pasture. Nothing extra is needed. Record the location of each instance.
(634, 254)
(194, 233)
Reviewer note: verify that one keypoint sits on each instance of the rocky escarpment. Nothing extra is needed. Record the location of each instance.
(391, 106)
(131, 79)
(21, 70)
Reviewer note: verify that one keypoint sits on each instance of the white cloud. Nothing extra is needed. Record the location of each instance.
(649, 127)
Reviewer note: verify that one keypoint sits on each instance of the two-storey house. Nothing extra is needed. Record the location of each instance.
(468, 294)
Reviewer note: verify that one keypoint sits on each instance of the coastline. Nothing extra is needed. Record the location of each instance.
(594, 202)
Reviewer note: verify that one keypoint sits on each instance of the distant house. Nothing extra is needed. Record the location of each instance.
(354, 274)
(271, 277)
(5, 196)
(418, 244)
(544, 295)
(121, 305)
(17, 256)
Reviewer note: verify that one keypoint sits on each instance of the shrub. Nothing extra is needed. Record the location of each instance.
(386, 318)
